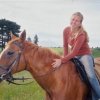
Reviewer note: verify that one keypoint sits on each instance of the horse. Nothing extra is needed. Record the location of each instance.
(62, 83)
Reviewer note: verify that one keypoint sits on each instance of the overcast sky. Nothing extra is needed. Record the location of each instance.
(48, 18)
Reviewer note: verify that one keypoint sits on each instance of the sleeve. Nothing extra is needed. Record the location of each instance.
(65, 41)
(78, 44)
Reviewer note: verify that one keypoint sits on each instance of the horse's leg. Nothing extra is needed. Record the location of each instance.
(48, 97)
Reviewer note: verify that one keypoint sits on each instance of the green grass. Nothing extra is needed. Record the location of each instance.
(31, 91)
(21, 92)
(58, 50)
(96, 52)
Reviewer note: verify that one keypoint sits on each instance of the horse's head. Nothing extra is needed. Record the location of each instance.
(11, 57)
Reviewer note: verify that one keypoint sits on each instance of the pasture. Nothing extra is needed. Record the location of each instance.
(31, 91)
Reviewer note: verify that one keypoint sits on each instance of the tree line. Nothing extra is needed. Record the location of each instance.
(8, 29)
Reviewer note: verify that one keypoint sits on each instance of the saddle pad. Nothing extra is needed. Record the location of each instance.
(81, 71)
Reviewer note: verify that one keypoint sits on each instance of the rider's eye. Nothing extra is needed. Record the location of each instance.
(10, 53)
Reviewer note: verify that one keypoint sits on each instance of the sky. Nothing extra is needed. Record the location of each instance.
(48, 18)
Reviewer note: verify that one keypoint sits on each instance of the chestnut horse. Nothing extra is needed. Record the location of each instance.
(62, 83)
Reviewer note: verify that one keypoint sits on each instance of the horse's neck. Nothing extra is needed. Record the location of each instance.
(40, 60)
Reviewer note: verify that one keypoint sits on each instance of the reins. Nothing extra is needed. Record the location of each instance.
(23, 79)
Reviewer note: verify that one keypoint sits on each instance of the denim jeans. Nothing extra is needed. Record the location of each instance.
(87, 61)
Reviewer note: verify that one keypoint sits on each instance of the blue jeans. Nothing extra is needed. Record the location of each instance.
(87, 61)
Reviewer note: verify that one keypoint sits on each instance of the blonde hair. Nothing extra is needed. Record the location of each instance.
(81, 29)
(79, 14)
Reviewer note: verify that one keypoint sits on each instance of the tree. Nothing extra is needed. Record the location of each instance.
(6, 28)
(36, 39)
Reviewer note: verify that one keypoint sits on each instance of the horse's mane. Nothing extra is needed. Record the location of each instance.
(43, 53)
(39, 52)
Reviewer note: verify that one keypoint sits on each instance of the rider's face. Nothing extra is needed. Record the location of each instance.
(75, 21)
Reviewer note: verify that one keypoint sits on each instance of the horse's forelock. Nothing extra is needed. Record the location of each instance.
(12, 41)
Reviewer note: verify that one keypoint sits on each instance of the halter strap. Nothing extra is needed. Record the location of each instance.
(14, 63)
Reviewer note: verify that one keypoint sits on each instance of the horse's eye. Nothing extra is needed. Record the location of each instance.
(10, 53)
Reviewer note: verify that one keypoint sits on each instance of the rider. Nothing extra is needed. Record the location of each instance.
(75, 40)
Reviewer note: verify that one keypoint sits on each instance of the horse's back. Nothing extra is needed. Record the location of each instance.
(69, 83)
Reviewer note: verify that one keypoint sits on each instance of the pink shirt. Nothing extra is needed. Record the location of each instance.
(79, 45)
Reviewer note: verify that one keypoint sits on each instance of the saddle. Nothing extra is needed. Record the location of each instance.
(81, 70)
(83, 76)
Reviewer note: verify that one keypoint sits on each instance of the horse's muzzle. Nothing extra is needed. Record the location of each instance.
(4, 77)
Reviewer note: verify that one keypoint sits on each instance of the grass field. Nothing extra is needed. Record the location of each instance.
(31, 91)
(96, 52)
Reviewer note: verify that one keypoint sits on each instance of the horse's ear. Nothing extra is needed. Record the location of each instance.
(23, 35)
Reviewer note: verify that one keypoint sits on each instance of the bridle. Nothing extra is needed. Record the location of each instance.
(8, 70)
(7, 75)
